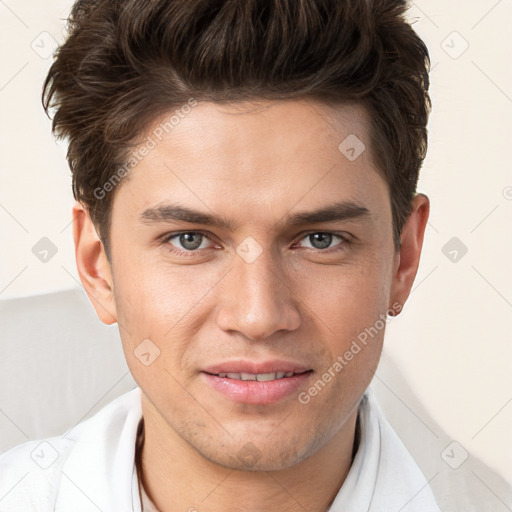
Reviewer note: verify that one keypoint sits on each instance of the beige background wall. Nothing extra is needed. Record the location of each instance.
(454, 342)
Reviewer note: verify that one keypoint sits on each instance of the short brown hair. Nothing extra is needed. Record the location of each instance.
(125, 62)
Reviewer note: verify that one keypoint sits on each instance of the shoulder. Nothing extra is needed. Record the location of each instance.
(29, 474)
(421, 464)
(32, 474)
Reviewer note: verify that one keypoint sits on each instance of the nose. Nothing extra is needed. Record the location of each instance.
(256, 300)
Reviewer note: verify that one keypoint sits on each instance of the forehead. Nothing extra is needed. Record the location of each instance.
(256, 157)
(261, 129)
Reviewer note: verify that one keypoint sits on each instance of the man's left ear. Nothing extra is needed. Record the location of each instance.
(407, 258)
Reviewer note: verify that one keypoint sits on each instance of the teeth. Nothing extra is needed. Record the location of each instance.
(264, 377)
(260, 377)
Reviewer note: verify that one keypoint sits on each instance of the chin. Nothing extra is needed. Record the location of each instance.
(252, 456)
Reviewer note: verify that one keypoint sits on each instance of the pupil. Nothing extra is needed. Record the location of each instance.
(320, 240)
(190, 241)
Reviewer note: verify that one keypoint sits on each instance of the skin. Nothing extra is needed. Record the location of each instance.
(255, 166)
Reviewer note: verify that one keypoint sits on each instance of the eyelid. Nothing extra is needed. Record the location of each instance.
(165, 239)
(345, 239)
(173, 234)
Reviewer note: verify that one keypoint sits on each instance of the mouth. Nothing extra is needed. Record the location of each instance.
(260, 377)
(250, 383)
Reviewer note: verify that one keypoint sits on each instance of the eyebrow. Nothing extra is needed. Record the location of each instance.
(345, 210)
(331, 213)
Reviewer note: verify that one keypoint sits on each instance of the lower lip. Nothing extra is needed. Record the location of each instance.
(255, 392)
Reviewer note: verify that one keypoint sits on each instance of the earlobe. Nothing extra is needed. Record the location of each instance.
(93, 266)
(407, 258)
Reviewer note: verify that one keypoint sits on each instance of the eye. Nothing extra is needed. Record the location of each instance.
(188, 241)
(321, 240)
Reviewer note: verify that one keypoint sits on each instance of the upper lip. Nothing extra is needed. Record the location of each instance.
(241, 366)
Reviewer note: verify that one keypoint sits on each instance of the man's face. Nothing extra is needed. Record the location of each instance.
(267, 282)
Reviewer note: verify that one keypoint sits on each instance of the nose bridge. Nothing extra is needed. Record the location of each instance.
(256, 299)
(259, 278)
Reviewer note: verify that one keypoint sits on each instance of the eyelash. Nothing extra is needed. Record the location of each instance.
(341, 246)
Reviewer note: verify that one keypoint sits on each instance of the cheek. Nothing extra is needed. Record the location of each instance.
(348, 299)
(347, 305)
(163, 304)
(349, 316)
(153, 296)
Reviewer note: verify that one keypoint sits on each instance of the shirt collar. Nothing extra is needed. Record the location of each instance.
(101, 465)
(383, 475)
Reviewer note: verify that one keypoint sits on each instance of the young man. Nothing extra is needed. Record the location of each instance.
(247, 213)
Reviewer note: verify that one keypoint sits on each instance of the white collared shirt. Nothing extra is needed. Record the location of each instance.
(93, 468)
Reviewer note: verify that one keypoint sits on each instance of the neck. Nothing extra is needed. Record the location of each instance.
(176, 477)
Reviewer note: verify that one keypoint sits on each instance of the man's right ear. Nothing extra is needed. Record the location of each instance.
(93, 266)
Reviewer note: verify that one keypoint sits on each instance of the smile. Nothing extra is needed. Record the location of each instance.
(257, 388)
(260, 377)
